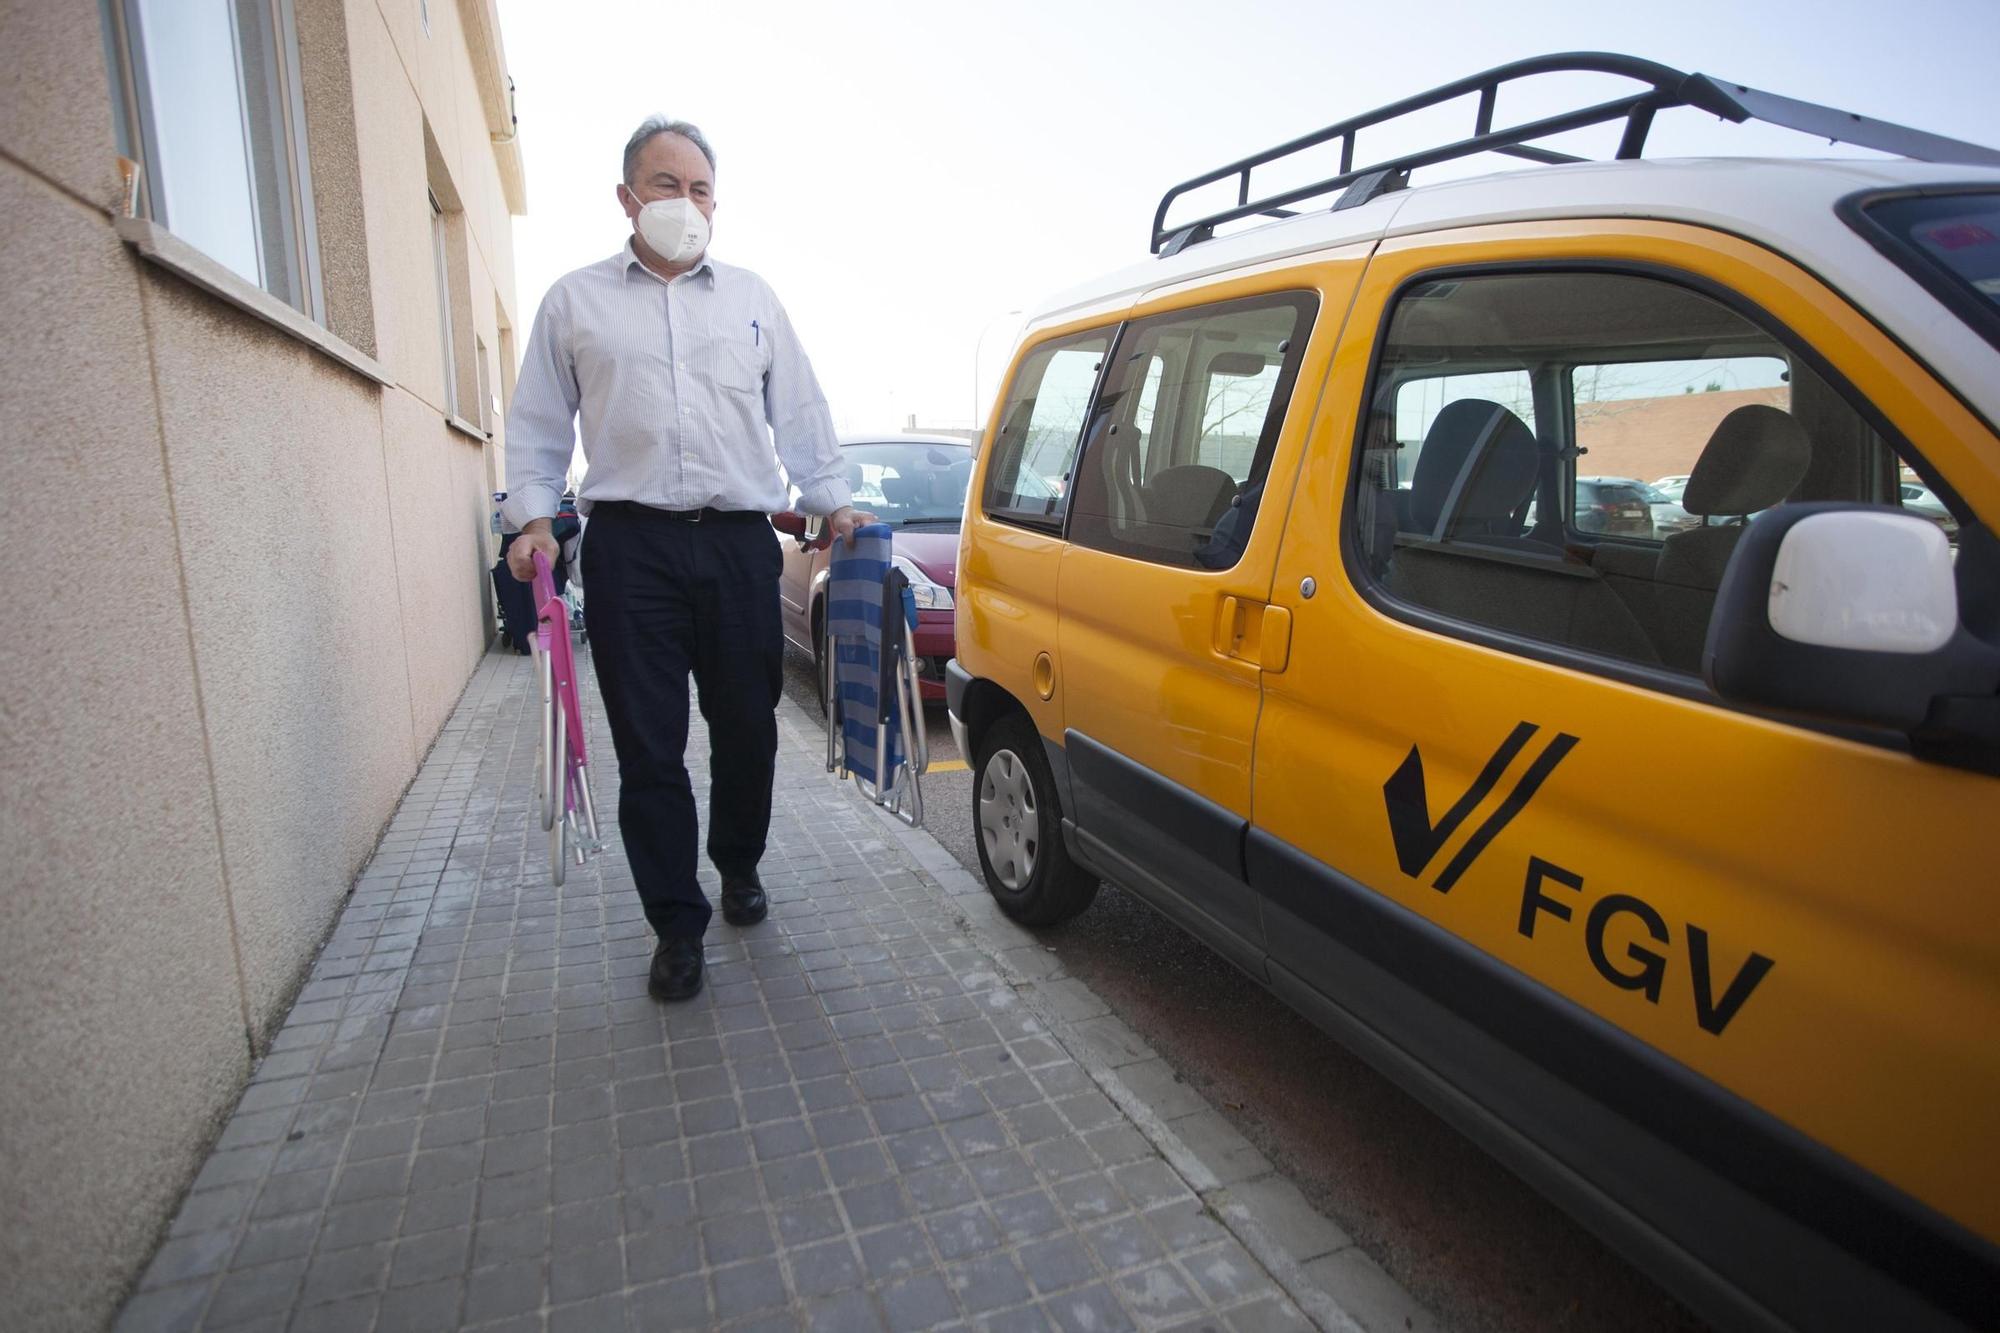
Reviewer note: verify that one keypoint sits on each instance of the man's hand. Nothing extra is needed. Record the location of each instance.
(844, 520)
(521, 555)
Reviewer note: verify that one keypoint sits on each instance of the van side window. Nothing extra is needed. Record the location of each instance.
(1175, 457)
(1570, 458)
(1028, 480)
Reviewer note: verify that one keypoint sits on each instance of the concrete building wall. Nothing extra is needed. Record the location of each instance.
(248, 584)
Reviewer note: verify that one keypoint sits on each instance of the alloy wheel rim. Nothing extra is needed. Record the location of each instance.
(1009, 822)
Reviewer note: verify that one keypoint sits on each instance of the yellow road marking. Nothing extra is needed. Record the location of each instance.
(948, 766)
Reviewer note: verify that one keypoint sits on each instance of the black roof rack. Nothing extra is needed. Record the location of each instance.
(1666, 88)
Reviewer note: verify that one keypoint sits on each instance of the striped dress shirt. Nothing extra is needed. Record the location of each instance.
(681, 387)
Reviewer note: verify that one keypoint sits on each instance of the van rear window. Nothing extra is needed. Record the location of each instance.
(1951, 244)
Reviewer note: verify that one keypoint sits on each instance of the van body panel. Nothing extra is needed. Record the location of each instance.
(1007, 606)
(1601, 1122)
(1858, 873)
(1163, 663)
(1008, 574)
(1725, 986)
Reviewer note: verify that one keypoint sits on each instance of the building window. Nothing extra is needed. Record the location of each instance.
(209, 102)
(484, 385)
(440, 253)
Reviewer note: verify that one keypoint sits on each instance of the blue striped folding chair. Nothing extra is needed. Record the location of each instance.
(875, 724)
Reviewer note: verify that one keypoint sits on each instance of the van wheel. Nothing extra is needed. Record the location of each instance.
(1019, 826)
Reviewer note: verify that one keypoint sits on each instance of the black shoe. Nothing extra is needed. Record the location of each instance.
(743, 900)
(676, 973)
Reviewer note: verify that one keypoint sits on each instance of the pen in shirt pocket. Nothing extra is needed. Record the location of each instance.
(756, 334)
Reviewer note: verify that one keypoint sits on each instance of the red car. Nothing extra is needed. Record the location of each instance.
(916, 484)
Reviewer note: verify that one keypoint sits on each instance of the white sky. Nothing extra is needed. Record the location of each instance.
(905, 173)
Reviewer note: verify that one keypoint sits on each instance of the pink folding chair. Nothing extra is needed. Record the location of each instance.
(562, 769)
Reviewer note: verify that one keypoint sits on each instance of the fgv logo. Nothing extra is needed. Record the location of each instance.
(1418, 842)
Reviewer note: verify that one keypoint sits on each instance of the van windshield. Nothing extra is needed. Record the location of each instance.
(1949, 239)
(919, 482)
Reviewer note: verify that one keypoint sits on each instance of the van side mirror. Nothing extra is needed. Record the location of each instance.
(1849, 613)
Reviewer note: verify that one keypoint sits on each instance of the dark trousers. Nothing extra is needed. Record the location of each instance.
(514, 599)
(667, 598)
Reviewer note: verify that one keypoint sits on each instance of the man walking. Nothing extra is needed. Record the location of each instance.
(683, 371)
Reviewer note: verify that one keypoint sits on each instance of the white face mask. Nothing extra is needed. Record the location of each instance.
(674, 229)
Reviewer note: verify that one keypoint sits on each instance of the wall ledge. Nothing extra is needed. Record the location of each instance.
(157, 245)
(464, 427)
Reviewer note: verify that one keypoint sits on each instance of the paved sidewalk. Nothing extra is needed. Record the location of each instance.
(887, 1110)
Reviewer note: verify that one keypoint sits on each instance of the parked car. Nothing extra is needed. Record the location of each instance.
(1671, 486)
(1606, 501)
(1729, 995)
(1614, 506)
(916, 484)
(1919, 500)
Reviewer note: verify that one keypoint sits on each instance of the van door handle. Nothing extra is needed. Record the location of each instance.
(1253, 632)
(1274, 648)
(1230, 626)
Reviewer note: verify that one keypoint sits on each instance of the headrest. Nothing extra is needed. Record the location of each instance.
(905, 491)
(851, 473)
(1500, 451)
(1192, 495)
(1752, 461)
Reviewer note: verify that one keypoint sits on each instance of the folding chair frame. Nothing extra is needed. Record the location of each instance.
(562, 769)
(902, 794)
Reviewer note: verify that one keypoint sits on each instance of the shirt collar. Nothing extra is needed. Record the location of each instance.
(630, 259)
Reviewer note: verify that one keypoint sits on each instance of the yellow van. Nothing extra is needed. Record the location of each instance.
(1314, 587)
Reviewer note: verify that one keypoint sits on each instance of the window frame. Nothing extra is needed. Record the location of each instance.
(137, 135)
(1660, 680)
(441, 270)
(1057, 524)
(481, 385)
(1305, 302)
(1854, 210)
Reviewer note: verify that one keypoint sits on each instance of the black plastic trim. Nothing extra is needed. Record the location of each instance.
(957, 680)
(1168, 899)
(1211, 832)
(1824, 1192)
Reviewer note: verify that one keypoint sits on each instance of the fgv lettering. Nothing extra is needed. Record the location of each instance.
(1638, 967)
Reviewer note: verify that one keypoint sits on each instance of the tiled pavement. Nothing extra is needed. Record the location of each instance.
(887, 1110)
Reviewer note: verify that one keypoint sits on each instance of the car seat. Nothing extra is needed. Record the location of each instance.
(1755, 459)
(1472, 482)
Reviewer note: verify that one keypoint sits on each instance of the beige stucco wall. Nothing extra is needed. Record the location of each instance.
(248, 586)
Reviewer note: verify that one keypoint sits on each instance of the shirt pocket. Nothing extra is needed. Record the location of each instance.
(739, 366)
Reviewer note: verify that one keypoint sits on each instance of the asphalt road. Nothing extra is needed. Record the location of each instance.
(1478, 1247)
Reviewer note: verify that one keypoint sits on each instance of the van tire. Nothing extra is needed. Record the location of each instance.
(1015, 808)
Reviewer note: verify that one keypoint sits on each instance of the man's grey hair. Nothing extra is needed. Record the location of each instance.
(657, 125)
